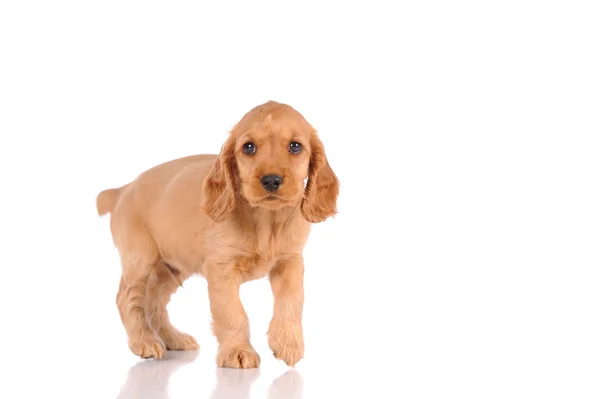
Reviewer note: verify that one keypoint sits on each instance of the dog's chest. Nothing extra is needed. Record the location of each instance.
(254, 267)
(264, 251)
(267, 242)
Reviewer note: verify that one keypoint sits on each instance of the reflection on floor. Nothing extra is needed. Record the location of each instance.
(149, 380)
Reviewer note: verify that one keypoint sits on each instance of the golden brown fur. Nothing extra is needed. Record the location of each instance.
(210, 215)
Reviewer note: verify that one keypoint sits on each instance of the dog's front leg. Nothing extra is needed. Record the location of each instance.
(285, 330)
(230, 322)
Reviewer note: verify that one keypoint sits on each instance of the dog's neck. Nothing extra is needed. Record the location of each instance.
(281, 231)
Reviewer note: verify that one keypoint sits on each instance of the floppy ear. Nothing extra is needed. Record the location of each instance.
(219, 184)
(320, 196)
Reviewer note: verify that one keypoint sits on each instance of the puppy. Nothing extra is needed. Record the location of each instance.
(233, 217)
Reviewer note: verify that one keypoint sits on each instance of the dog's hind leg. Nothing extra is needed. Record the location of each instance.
(139, 256)
(163, 283)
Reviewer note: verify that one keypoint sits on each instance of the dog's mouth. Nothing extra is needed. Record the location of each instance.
(274, 200)
(271, 200)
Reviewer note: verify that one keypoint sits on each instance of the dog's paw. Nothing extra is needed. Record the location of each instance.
(148, 345)
(287, 343)
(177, 341)
(238, 357)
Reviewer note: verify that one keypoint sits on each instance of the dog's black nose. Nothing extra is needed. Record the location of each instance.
(271, 182)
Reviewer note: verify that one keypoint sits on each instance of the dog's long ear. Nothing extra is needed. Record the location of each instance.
(219, 184)
(322, 189)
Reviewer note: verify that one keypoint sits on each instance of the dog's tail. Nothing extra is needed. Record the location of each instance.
(107, 199)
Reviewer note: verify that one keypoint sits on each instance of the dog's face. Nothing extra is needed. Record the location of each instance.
(266, 160)
(272, 158)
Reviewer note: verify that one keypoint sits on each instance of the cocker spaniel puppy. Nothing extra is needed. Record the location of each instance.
(233, 217)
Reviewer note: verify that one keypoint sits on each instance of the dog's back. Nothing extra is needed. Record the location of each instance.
(149, 184)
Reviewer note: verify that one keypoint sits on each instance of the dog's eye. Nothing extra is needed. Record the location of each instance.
(295, 147)
(249, 148)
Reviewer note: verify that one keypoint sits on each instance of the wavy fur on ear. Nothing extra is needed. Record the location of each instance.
(219, 184)
(322, 189)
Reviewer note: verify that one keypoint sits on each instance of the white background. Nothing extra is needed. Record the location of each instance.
(465, 258)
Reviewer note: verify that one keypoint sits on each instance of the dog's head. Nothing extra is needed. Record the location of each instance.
(266, 159)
